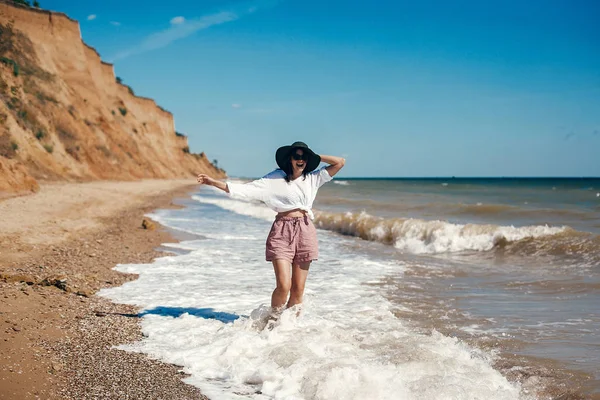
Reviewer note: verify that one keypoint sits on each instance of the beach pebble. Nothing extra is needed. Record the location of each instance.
(84, 293)
(147, 224)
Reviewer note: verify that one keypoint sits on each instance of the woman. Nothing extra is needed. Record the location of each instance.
(290, 191)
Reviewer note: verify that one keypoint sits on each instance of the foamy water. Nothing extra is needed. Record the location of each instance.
(419, 236)
(204, 310)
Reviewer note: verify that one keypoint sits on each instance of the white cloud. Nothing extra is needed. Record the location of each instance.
(181, 28)
(91, 17)
(236, 105)
(177, 21)
(175, 32)
(115, 23)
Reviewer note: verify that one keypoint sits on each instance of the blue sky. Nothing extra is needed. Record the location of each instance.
(429, 88)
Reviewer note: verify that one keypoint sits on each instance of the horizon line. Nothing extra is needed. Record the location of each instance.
(449, 177)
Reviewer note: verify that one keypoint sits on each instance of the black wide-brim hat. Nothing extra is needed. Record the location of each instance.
(283, 154)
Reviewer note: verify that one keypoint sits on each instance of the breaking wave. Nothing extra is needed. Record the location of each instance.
(420, 236)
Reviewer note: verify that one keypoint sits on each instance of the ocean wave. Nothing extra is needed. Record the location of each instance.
(343, 183)
(429, 237)
(418, 236)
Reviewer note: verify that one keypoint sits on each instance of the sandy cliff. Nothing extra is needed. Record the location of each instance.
(63, 116)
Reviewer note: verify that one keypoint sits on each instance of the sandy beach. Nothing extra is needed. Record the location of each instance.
(57, 248)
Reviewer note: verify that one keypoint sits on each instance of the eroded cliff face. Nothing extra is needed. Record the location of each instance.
(63, 116)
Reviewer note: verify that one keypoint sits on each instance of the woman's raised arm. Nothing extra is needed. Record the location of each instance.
(335, 164)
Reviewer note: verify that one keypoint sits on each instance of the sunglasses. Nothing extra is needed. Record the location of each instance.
(298, 157)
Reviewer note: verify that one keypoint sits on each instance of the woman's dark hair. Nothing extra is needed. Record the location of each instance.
(289, 170)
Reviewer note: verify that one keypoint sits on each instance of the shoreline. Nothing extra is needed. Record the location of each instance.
(56, 337)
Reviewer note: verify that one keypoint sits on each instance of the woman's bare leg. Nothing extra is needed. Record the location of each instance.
(284, 283)
(299, 275)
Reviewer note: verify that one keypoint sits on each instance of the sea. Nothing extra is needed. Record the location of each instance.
(445, 288)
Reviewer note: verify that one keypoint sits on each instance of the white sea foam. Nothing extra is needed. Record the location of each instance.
(201, 311)
(419, 236)
(343, 183)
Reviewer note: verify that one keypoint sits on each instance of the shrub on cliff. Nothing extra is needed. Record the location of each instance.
(65, 135)
(9, 62)
(25, 3)
(43, 98)
(123, 111)
(179, 134)
(7, 149)
(186, 149)
(17, 47)
(26, 116)
(36, 4)
(49, 148)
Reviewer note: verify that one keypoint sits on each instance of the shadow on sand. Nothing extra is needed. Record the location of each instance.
(206, 313)
(175, 312)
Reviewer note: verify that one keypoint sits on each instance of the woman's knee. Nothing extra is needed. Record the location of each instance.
(284, 286)
(297, 289)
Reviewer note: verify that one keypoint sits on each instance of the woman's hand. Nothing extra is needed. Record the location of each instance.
(204, 179)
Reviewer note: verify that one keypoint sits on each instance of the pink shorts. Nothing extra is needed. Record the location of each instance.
(293, 239)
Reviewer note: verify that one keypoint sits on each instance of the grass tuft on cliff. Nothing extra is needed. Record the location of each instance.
(9, 62)
(17, 50)
(7, 148)
(24, 3)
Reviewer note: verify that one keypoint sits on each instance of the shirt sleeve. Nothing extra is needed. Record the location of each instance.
(255, 190)
(320, 177)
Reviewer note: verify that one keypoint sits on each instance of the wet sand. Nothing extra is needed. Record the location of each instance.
(57, 248)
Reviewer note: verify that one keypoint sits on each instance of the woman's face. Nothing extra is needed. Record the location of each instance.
(298, 161)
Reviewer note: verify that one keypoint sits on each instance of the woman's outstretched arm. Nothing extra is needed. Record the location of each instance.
(335, 164)
(204, 179)
(251, 191)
